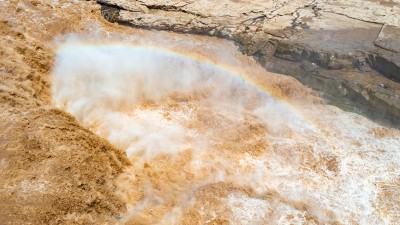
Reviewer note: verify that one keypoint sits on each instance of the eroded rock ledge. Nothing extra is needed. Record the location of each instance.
(347, 49)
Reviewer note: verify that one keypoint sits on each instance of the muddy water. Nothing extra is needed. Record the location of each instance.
(215, 139)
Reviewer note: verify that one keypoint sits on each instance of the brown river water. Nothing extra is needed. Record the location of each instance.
(212, 137)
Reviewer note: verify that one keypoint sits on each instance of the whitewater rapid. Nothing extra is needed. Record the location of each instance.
(213, 138)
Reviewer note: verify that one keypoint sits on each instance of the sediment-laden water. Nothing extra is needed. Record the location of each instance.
(215, 139)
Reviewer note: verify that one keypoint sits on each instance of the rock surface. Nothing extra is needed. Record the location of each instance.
(337, 37)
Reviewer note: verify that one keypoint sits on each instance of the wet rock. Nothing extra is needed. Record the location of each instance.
(362, 65)
(308, 66)
(351, 90)
(384, 65)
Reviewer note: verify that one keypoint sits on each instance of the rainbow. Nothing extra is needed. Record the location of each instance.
(206, 61)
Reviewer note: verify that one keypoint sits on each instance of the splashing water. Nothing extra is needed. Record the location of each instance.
(213, 138)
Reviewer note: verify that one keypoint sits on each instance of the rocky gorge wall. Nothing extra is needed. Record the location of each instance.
(348, 50)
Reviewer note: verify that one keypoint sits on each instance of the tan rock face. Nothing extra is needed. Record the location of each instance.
(389, 39)
(378, 11)
(222, 17)
(216, 15)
